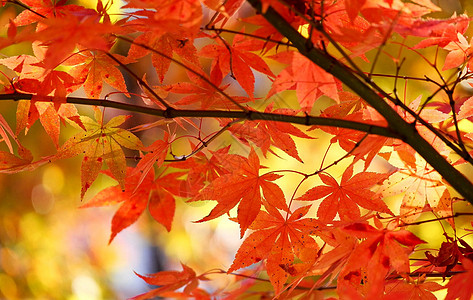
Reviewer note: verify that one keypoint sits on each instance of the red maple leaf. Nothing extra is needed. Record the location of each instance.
(345, 197)
(353, 7)
(277, 239)
(238, 60)
(372, 259)
(207, 94)
(265, 30)
(246, 187)
(459, 286)
(436, 32)
(10, 163)
(418, 289)
(265, 134)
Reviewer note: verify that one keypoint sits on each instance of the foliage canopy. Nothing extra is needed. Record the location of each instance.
(224, 68)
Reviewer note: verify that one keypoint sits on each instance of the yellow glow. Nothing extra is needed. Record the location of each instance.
(85, 287)
(8, 287)
(53, 178)
(113, 7)
(304, 30)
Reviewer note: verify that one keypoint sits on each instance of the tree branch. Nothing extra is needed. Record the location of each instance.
(172, 113)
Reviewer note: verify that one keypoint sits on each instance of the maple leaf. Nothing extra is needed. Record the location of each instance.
(139, 193)
(169, 281)
(270, 133)
(37, 79)
(412, 289)
(101, 142)
(459, 286)
(381, 250)
(243, 186)
(348, 104)
(278, 240)
(436, 32)
(205, 93)
(345, 197)
(450, 253)
(10, 163)
(459, 52)
(265, 30)
(238, 60)
(419, 183)
(168, 43)
(466, 109)
(48, 9)
(156, 154)
(304, 76)
(353, 7)
(225, 9)
(202, 169)
(92, 68)
(329, 264)
(87, 32)
(28, 112)
(14, 36)
(166, 15)
(358, 144)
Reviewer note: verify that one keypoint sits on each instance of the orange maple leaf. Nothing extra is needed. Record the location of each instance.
(37, 79)
(244, 186)
(83, 31)
(168, 43)
(201, 169)
(169, 281)
(101, 142)
(238, 60)
(270, 133)
(304, 76)
(265, 134)
(345, 197)
(138, 194)
(10, 163)
(277, 239)
(48, 9)
(459, 52)
(156, 154)
(166, 16)
(93, 67)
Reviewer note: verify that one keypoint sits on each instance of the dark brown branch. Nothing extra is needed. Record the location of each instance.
(172, 113)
